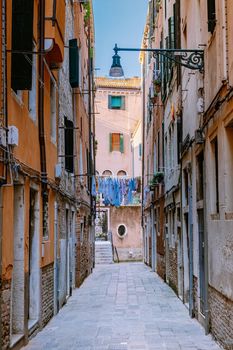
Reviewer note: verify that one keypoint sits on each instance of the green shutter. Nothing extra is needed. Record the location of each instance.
(121, 143)
(74, 63)
(22, 41)
(110, 142)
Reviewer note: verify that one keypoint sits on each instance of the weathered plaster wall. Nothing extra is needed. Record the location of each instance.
(130, 246)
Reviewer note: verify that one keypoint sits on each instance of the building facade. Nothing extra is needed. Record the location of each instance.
(196, 121)
(118, 136)
(46, 66)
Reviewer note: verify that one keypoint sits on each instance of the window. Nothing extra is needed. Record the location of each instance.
(121, 173)
(69, 145)
(140, 150)
(200, 176)
(121, 230)
(116, 102)
(215, 192)
(211, 15)
(116, 142)
(74, 63)
(32, 92)
(53, 111)
(22, 40)
(229, 166)
(107, 173)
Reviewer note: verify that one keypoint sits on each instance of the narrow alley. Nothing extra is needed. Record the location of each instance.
(120, 307)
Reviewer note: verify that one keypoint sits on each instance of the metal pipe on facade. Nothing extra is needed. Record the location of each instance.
(143, 152)
(41, 99)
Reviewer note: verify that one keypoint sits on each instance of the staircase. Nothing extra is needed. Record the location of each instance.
(103, 252)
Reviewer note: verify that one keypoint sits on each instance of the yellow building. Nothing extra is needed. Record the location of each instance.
(38, 159)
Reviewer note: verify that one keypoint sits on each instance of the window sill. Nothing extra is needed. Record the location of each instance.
(215, 216)
(229, 216)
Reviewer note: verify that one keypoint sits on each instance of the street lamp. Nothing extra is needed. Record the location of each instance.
(192, 59)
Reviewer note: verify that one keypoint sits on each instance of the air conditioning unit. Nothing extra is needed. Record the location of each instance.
(13, 136)
(199, 137)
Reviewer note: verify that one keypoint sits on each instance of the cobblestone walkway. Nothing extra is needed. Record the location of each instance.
(119, 307)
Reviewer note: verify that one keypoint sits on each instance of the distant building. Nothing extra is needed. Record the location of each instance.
(119, 155)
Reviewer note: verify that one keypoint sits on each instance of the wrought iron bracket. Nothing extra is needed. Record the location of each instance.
(192, 59)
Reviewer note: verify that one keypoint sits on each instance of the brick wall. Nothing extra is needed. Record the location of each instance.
(84, 249)
(5, 308)
(221, 318)
(47, 293)
(195, 296)
(172, 270)
(161, 266)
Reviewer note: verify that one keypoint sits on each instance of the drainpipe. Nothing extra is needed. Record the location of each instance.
(5, 123)
(91, 144)
(56, 305)
(143, 153)
(41, 101)
(206, 263)
(191, 240)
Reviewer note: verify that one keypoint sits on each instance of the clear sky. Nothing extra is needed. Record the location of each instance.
(121, 22)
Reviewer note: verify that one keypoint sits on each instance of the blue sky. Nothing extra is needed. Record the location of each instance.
(121, 22)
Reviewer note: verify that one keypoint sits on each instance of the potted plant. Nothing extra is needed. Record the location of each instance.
(157, 85)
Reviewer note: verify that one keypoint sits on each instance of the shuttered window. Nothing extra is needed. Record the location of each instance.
(116, 102)
(211, 15)
(116, 142)
(69, 145)
(171, 33)
(74, 60)
(22, 41)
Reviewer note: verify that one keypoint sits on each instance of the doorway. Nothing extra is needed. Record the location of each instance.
(33, 260)
(200, 214)
(18, 277)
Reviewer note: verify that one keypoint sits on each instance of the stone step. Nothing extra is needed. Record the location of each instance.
(103, 253)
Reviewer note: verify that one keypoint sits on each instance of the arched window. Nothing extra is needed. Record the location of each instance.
(121, 173)
(107, 173)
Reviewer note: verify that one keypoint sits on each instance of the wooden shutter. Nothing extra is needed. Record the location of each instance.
(74, 63)
(22, 41)
(211, 15)
(110, 142)
(69, 145)
(121, 143)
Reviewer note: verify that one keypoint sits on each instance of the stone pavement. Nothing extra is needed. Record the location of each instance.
(123, 307)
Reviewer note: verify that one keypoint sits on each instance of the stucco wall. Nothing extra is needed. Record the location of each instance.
(130, 246)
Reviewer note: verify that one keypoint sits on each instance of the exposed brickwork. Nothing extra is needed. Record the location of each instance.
(195, 296)
(47, 289)
(5, 317)
(161, 266)
(172, 270)
(221, 318)
(84, 248)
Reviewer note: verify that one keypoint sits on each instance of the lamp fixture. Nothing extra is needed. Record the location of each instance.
(189, 58)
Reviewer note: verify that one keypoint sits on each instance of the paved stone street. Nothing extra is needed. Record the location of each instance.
(119, 307)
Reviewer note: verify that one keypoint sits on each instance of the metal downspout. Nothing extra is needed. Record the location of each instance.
(191, 241)
(5, 121)
(91, 144)
(41, 100)
(143, 153)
